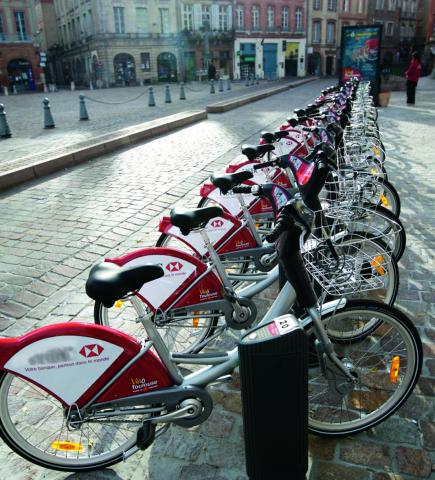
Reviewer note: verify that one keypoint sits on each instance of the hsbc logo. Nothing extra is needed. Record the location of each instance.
(174, 266)
(217, 223)
(93, 350)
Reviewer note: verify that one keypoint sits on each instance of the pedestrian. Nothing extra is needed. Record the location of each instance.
(412, 76)
(211, 71)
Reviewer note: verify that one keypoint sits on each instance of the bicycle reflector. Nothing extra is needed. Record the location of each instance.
(384, 200)
(66, 446)
(394, 369)
(119, 303)
(377, 264)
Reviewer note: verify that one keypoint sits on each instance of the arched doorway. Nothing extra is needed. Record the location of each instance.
(20, 75)
(125, 69)
(167, 67)
(314, 63)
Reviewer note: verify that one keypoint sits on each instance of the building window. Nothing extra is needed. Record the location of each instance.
(164, 20)
(255, 17)
(118, 13)
(223, 18)
(188, 17)
(141, 20)
(20, 25)
(240, 14)
(389, 31)
(270, 17)
(205, 13)
(85, 25)
(2, 28)
(284, 18)
(332, 5)
(145, 63)
(392, 5)
(360, 6)
(379, 4)
(316, 31)
(298, 20)
(346, 5)
(330, 32)
(317, 5)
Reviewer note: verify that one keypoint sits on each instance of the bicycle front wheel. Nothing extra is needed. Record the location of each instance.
(33, 423)
(385, 359)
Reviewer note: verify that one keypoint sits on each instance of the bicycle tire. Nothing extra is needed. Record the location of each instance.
(32, 415)
(373, 371)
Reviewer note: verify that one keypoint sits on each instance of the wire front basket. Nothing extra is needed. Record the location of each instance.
(344, 259)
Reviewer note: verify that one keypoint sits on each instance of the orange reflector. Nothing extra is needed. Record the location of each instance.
(119, 303)
(384, 200)
(195, 321)
(377, 263)
(394, 369)
(376, 150)
(67, 446)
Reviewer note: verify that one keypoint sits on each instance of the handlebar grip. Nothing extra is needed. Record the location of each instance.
(271, 163)
(283, 225)
(242, 189)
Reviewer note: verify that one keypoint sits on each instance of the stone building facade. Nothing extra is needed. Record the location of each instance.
(206, 37)
(270, 38)
(20, 68)
(116, 43)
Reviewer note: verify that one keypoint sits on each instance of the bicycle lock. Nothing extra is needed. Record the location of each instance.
(274, 388)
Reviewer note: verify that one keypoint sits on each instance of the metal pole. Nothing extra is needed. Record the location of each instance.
(5, 131)
(83, 113)
(48, 117)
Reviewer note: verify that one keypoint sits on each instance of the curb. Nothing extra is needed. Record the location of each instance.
(104, 144)
(221, 107)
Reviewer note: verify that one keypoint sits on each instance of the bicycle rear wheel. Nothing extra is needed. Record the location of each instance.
(386, 361)
(33, 423)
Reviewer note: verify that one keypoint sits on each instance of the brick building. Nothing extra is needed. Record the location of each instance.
(19, 47)
(387, 13)
(270, 38)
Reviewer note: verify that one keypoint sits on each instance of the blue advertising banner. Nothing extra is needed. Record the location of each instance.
(360, 54)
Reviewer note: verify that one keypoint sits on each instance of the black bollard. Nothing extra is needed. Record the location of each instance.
(212, 86)
(167, 95)
(221, 85)
(182, 92)
(48, 117)
(258, 80)
(228, 84)
(83, 113)
(151, 101)
(247, 81)
(5, 131)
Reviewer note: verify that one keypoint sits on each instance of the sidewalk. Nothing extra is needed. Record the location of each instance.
(109, 110)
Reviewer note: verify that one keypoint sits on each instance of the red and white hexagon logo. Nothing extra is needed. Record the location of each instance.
(174, 266)
(93, 350)
(217, 223)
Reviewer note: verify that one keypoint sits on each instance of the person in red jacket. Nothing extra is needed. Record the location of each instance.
(412, 76)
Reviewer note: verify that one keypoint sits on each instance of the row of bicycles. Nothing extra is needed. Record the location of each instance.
(309, 208)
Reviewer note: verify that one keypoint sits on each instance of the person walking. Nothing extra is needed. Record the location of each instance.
(412, 76)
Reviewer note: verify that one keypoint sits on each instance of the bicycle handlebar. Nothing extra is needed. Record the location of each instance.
(243, 189)
(271, 163)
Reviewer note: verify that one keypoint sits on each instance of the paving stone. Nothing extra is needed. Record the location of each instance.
(198, 472)
(321, 448)
(218, 425)
(5, 323)
(65, 271)
(12, 309)
(331, 471)
(395, 430)
(42, 288)
(364, 453)
(413, 461)
(225, 454)
(28, 298)
(55, 279)
(428, 433)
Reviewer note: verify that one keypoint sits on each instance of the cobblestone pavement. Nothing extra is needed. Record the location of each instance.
(109, 110)
(52, 230)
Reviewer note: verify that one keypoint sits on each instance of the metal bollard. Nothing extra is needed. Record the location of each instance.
(48, 117)
(253, 80)
(247, 81)
(221, 85)
(212, 86)
(83, 111)
(5, 131)
(182, 92)
(167, 95)
(151, 101)
(73, 86)
(228, 84)
(258, 80)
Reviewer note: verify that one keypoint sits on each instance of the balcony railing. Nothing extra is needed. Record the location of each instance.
(15, 38)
